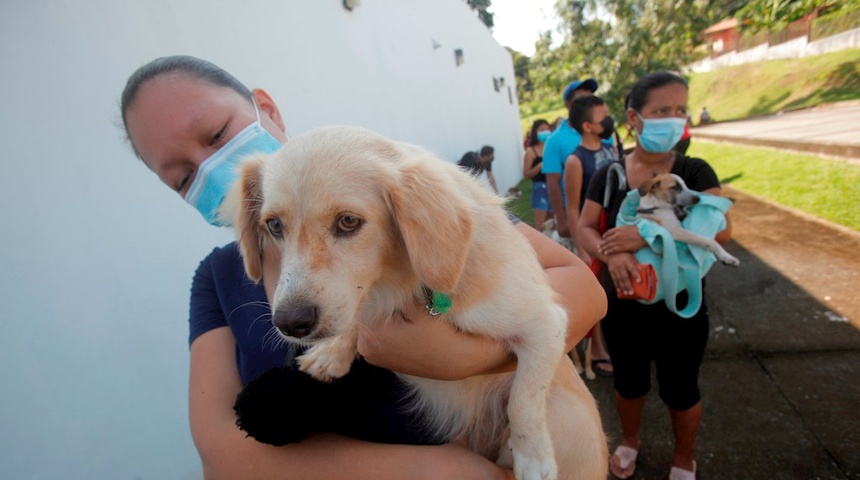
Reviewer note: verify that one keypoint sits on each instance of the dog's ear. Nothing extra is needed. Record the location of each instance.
(433, 217)
(243, 204)
(648, 186)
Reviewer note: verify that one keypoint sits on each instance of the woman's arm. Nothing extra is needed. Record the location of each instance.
(427, 347)
(530, 171)
(620, 262)
(227, 453)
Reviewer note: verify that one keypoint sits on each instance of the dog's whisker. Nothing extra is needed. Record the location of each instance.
(272, 340)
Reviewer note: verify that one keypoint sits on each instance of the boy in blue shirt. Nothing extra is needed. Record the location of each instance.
(589, 116)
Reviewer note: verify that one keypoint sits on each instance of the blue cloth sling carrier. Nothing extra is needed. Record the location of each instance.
(679, 266)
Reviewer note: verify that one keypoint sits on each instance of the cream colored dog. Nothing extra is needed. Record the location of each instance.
(365, 225)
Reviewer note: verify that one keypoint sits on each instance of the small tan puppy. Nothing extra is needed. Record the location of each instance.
(366, 225)
(663, 200)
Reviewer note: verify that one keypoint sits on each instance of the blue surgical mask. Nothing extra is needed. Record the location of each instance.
(659, 135)
(543, 135)
(218, 173)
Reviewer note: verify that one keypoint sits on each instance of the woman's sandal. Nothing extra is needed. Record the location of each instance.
(622, 464)
(680, 474)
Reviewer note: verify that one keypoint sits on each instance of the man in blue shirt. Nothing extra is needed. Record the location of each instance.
(560, 144)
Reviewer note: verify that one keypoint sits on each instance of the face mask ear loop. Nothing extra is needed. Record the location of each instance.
(256, 110)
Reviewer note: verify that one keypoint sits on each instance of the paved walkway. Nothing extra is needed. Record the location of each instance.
(830, 129)
(781, 377)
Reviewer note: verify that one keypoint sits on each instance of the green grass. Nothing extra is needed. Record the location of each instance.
(549, 116)
(819, 186)
(764, 88)
(522, 207)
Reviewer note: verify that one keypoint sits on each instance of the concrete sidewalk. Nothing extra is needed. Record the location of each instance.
(828, 130)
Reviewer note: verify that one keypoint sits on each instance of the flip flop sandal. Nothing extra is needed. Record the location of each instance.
(602, 371)
(626, 462)
(680, 474)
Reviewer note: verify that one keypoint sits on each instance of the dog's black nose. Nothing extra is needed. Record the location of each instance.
(696, 199)
(298, 321)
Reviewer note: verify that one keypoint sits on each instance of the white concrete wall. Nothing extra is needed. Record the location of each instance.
(97, 255)
(795, 48)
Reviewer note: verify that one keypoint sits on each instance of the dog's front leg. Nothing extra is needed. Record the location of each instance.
(538, 355)
(710, 244)
(331, 358)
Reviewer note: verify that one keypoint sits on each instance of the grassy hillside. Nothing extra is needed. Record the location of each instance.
(764, 88)
(768, 87)
(818, 186)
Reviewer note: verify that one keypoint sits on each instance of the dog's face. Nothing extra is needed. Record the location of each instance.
(670, 189)
(346, 209)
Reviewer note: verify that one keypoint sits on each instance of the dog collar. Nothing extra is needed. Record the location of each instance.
(437, 303)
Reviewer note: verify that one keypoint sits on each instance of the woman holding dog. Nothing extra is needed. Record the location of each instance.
(637, 334)
(185, 119)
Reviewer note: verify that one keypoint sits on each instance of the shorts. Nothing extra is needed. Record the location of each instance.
(540, 197)
(637, 335)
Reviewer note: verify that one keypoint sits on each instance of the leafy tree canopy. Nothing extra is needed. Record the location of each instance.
(481, 7)
(618, 41)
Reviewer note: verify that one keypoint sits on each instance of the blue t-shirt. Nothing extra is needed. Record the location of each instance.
(366, 403)
(558, 147)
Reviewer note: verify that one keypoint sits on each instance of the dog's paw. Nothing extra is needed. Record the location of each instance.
(589, 374)
(529, 468)
(533, 460)
(325, 364)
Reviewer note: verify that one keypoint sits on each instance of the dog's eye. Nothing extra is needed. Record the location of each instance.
(347, 224)
(276, 229)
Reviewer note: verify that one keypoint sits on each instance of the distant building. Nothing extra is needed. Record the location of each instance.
(723, 36)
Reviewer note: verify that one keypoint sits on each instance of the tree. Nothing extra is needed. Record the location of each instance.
(481, 7)
(760, 15)
(618, 41)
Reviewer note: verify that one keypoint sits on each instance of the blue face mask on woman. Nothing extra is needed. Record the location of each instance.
(542, 136)
(659, 135)
(217, 173)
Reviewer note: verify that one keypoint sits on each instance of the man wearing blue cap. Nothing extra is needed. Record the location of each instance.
(558, 146)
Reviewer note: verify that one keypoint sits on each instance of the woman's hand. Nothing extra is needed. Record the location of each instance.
(621, 239)
(622, 268)
(416, 343)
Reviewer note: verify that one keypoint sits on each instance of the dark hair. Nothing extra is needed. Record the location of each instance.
(486, 150)
(638, 96)
(581, 110)
(533, 140)
(177, 65)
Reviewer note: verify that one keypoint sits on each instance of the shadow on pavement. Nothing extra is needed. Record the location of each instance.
(779, 384)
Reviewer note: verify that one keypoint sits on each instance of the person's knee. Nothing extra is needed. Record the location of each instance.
(629, 388)
(680, 398)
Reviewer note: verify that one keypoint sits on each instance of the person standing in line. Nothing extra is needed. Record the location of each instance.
(560, 144)
(639, 334)
(532, 164)
(589, 116)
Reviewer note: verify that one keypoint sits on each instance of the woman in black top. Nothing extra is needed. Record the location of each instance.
(637, 334)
